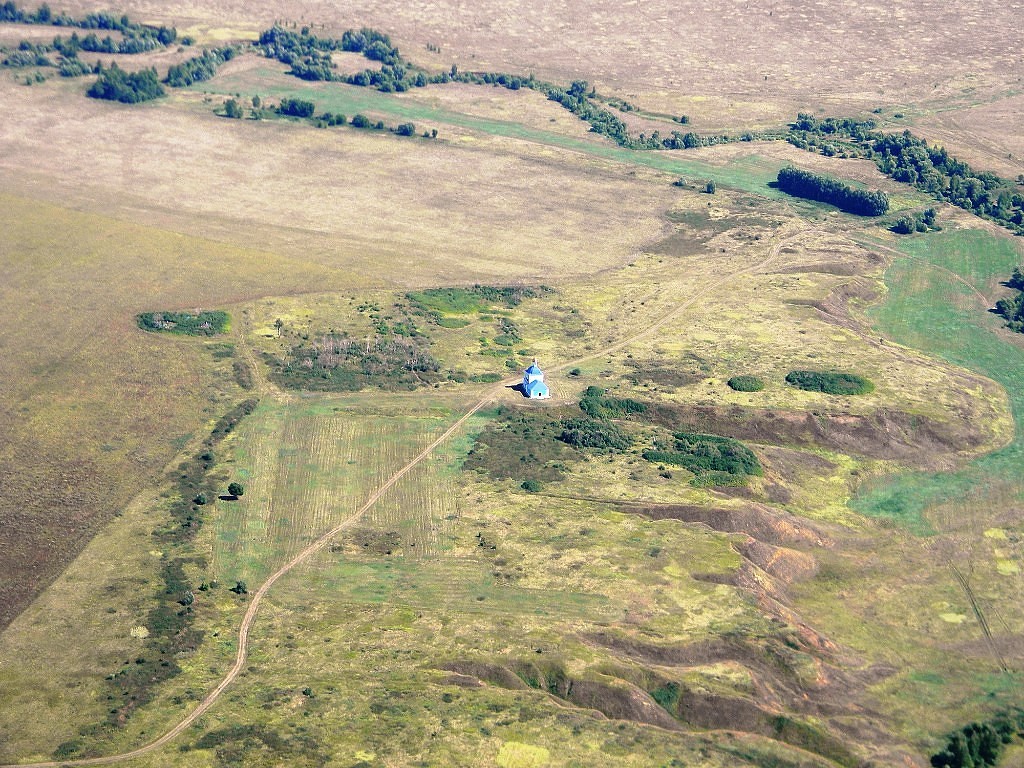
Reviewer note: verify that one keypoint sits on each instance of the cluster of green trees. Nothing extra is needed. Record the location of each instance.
(930, 169)
(978, 745)
(199, 68)
(911, 160)
(27, 55)
(599, 434)
(329, 119)
(309, 56)
(1012, 309)
(171, 619)
(233, 109)
(296, 108)
(813, 186)
(208, 323)
(830, 382)
(922, 221)
(72, 66)
(115, 84)
(701, 453)
(10, 12)
(398, 359)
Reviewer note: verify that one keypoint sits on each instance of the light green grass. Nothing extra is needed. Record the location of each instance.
(932, 306)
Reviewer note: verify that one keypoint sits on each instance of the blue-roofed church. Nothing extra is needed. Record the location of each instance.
(533, 382)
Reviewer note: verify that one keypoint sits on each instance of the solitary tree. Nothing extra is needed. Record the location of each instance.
(236, 489)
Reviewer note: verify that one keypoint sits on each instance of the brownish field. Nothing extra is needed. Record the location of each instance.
(727, 64)
(93, 407)
(986, 135)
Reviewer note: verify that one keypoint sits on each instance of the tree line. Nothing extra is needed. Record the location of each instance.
(199, 68)
(10, 12)
(813, 186)
(910, 159)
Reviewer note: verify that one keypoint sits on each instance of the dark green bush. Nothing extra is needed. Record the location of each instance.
(745, 383)
(595, 404)
(296, 108)
(830, 382)
(186, 323)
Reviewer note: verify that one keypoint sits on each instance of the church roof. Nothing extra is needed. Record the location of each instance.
(536, 386)
(534, 368)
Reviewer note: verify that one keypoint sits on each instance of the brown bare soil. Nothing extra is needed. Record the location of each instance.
(884, 434)
(759, 521)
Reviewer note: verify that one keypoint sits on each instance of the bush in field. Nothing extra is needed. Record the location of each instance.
(186, 323)
(745, 383)
(830, 382)
(1012, 309)
(236, 489)
(595, 404)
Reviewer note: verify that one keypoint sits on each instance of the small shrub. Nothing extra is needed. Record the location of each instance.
(236, 489)
(745, 383)
(530, 486)
(240, 588)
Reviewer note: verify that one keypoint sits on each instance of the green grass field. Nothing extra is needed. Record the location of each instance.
(934, 305)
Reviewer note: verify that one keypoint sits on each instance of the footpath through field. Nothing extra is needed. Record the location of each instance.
(782, 238)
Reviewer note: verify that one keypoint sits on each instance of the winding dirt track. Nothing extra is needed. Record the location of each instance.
(249, 618)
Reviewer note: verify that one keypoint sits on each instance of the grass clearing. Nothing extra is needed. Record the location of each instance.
(306, 469)
(951, 270)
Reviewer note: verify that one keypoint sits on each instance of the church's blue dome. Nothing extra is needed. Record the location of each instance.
(533, 369)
